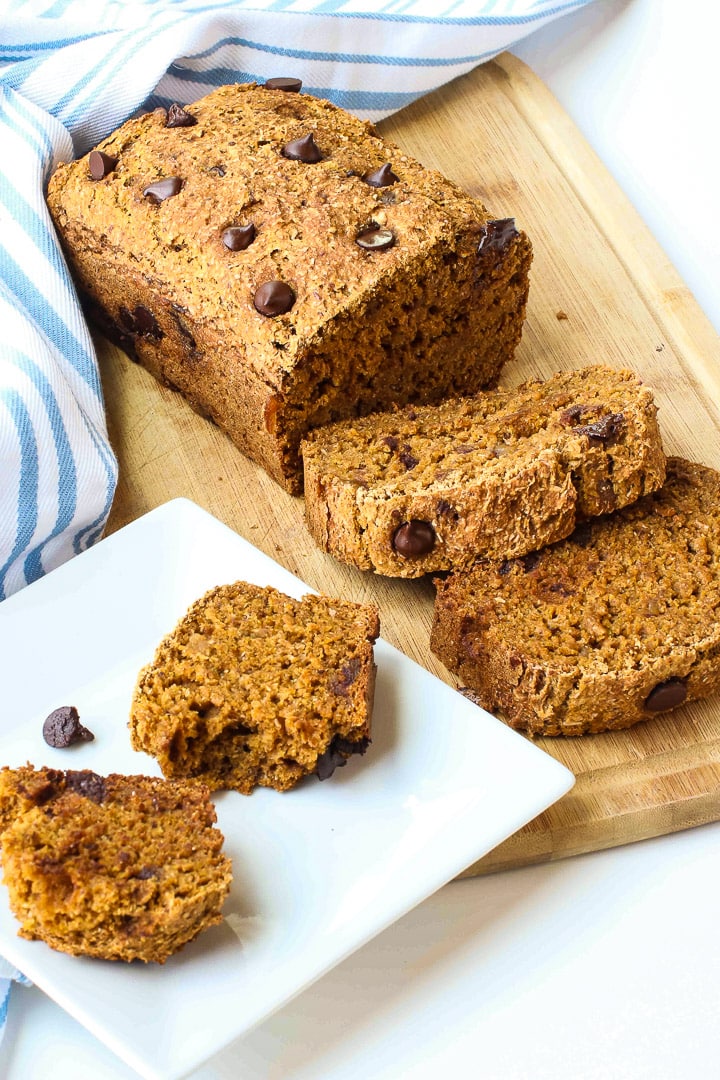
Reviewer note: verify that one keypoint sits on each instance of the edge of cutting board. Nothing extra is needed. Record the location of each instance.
(606, 811)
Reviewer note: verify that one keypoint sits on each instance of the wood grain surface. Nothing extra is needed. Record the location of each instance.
(602, 291)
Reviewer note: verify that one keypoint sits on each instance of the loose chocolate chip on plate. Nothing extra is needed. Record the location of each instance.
(290, 86)
(238, 237)
(274, 298)
(414, 538)
(100, 165)
(497, 234)
(63, 728)
(375, 238)
(666, 695)
(305, 149)
(178, 117)
(163, 189)
(382, 177)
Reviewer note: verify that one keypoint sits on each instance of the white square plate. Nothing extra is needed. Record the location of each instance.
(319, 870)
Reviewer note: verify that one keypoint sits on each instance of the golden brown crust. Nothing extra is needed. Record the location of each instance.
(609, 627)
(114, 867)
(492, 476)
(256, 688)
(438, 312)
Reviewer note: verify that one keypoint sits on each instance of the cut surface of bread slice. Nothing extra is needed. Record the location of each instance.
(113, 867)
(616, 624)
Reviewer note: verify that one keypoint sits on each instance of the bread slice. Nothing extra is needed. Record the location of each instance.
(493, 476)
(616, 624)
(255, 688)
(115, 867)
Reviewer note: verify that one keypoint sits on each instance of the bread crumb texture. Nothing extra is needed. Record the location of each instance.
(255, 688)
(614, 625)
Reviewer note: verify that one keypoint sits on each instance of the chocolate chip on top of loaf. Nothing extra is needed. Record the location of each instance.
(255, 688)
(496, 475)
(283, 266)
(114, 867)
(614, 625)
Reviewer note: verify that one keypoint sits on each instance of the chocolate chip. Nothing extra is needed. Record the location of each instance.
(496, 235)
(86, 783)
(163, 189)
(99, 164)
(238, 237)
(605, 430)
(414, 538)
(337, 754)
(145, 322)
(290, 86)
(341, 681)
(63, 728)
(445, 509)
(177, 117)
(382, 177)
(666, 695)
(147, 872)
(274, 298)
(375, 238)
(305, 149)
(140, 321)
(407, 459)
(390, 441)
(217, 170)
(572, 414)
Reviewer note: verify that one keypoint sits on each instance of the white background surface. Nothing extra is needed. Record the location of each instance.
(602, 966)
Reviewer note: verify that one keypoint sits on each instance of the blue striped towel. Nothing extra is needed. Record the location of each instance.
(64, 85)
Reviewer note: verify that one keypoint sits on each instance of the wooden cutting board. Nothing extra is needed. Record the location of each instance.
(602, 291)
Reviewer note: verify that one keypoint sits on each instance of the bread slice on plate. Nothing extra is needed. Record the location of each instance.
(113, 867)
(254, 687)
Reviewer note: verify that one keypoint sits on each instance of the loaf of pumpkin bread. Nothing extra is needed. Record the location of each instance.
(614, 625)
(280, 264)
(495, 475)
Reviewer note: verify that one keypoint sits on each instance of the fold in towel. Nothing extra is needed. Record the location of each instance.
(8, 975)
(66, 81)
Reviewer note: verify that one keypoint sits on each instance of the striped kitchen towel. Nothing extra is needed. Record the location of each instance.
(8, 975)
(67, 78)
